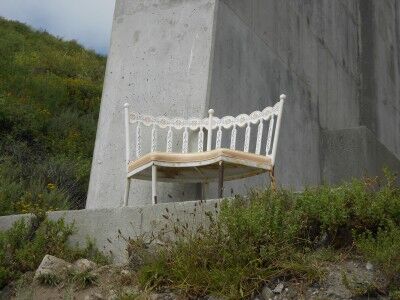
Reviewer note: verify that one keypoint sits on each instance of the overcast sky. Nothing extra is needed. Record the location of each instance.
(87, 21)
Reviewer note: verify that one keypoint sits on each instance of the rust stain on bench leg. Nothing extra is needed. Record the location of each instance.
(272, 177)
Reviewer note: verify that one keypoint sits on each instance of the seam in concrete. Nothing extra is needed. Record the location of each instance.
(254, 33)
(323, 45)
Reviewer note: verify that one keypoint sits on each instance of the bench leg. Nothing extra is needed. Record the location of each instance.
(127, 187)
(273, 180)
(221, 180)
(154, 184)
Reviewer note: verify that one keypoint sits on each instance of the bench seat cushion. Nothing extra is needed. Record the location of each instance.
(204, 162)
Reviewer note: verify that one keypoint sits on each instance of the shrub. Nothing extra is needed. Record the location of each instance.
(23, 247)
(382, 248)
(274, 235)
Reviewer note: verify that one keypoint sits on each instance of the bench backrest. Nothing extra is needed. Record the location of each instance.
(266, 139)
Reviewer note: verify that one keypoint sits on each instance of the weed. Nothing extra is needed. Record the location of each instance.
(23, 247)
(83, 279)
(49, 279)
(275, 235)
(382, 248)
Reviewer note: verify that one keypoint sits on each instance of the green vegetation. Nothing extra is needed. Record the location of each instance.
(23, 247)
(49, 279)
(83, 279)
(49, 100)
(275, 235)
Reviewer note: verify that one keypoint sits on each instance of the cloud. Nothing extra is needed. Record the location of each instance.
(87, 21)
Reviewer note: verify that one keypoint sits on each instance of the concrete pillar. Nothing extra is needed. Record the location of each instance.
(159, 62)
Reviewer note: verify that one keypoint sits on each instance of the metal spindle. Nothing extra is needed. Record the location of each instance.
(219, 138)
(200, 140)
(259, 136)
(209, 132)
(247, 138)
(138, 139)
(154, 138)
(169, 140)
(271, 126)
(185, 141)
(233, 138)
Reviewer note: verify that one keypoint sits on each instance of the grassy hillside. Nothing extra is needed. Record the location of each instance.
(50, 92)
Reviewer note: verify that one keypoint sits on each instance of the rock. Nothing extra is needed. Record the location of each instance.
(369, 266)
(83, 264)
(52, 265)
(163, 296)
(267, 293)
(279, 288)
(125, 272)
(97, 296)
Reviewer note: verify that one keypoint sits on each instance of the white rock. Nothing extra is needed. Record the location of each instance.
(125, 272)
(267, 293)
(163, 296)
(369, 266)
(279, 288)
(84, 264)
(52, 265)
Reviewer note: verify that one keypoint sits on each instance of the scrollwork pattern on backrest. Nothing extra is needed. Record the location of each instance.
(196, 123)
(200, 124)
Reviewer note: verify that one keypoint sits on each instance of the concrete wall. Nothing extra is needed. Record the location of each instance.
(110, 227)
(337, 60)
(354, 152)
(380, 70)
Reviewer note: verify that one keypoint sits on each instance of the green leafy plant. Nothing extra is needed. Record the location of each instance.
(275, 235)
(49, 279)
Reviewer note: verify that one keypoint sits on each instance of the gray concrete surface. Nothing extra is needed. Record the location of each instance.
(159, 63)
(354, 153)
(110, 227)
(337, 60)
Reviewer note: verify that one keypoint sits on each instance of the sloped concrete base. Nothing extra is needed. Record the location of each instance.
(111, 227)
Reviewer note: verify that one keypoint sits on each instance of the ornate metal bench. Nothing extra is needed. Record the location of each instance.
(193, 163)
